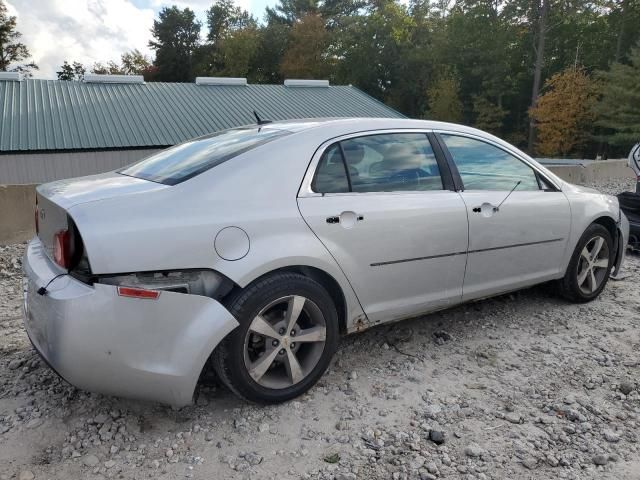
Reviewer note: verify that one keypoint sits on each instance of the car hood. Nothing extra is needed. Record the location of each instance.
(74, 191)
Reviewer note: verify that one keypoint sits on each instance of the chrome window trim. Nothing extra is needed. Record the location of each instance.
(305, 187)
(511, 152)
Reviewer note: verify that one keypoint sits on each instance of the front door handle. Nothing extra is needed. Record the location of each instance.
(486, 209)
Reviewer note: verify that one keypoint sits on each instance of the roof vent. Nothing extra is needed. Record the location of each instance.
(11, 76)
(221, 81)
(94, 78)
(306, 83)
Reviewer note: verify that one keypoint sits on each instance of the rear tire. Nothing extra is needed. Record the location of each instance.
(287, 336)
(590, 265)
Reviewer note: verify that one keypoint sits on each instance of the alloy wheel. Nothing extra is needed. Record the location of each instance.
(284, 342)
(593, 266)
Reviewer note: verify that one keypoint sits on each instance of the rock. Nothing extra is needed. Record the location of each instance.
(26, 475)
(35, 423)
(109, 464)
(253, 458)
(474, 451)
(16, 363)
(530, 462)
(90, 460)
(625, 387)
(432, 467)
(210, 436)
(168, 453)
(346, 476)
(600, 459)
(513, 417)
(353, 375)
(437, 436)
(611, 436)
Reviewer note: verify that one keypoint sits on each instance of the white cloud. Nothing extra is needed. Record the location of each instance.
(87, 31)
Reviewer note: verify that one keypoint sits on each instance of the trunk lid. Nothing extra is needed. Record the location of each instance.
(73, 191)
(53, 200)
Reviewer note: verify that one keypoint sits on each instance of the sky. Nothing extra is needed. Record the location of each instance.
(90, 31)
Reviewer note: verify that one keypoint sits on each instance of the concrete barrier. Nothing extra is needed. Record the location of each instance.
(17, 201)
(593, 171)
(17, 222)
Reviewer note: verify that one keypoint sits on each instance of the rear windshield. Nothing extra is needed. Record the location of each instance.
(179, 163)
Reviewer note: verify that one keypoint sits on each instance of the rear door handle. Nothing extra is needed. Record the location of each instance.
(348, 216)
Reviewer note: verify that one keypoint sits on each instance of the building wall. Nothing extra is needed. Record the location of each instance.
(30, 168)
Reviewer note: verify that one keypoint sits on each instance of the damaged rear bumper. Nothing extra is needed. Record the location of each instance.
(130, 347)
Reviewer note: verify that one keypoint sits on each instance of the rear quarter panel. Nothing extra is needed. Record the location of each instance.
(175, 228)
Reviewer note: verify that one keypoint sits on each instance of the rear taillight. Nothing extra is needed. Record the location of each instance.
(138, 293)
(62, 248)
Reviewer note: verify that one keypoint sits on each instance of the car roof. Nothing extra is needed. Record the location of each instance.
(366, 123)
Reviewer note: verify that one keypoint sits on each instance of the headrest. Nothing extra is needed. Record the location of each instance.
(353, 153)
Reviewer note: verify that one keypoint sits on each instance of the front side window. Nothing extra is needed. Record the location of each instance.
(184, 161)
(483, 166)
(393, 162)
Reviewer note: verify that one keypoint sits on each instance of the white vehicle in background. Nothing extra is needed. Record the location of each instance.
(254, 249)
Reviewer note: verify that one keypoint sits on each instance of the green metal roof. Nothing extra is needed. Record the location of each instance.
(60, 115)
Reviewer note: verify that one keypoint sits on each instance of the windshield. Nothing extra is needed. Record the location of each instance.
(179, 163)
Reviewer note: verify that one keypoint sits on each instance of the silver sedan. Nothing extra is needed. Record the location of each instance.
(253, 250)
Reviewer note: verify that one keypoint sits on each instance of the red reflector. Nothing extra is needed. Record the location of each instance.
(138, 293)
(61, 253)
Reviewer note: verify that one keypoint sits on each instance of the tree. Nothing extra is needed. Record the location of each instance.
(11, 50)
(70, 72)
(290, 11)
(489, 115)
(306, 56)
(176, 35)
(541, 11)
(224, 18)
(618, 109)
(135, 63)
(564, 112)
(443, 98)
(110, 68)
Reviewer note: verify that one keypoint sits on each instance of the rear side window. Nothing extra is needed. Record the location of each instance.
(331, 176)
(184, 161)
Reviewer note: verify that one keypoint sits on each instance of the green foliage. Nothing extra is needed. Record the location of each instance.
(175, 39)
(489, 115)
(619, 107)
(12, 51)
(443, 98)
(306, 56)
(69, 72)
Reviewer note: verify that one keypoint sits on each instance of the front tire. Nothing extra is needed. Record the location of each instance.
(590, 265)
(287, 336)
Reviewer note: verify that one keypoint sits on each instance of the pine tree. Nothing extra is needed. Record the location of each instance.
(618, 110)
(176, 36)
(564, 112)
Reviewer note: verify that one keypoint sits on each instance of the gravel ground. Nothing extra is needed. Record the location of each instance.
(521, 386)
